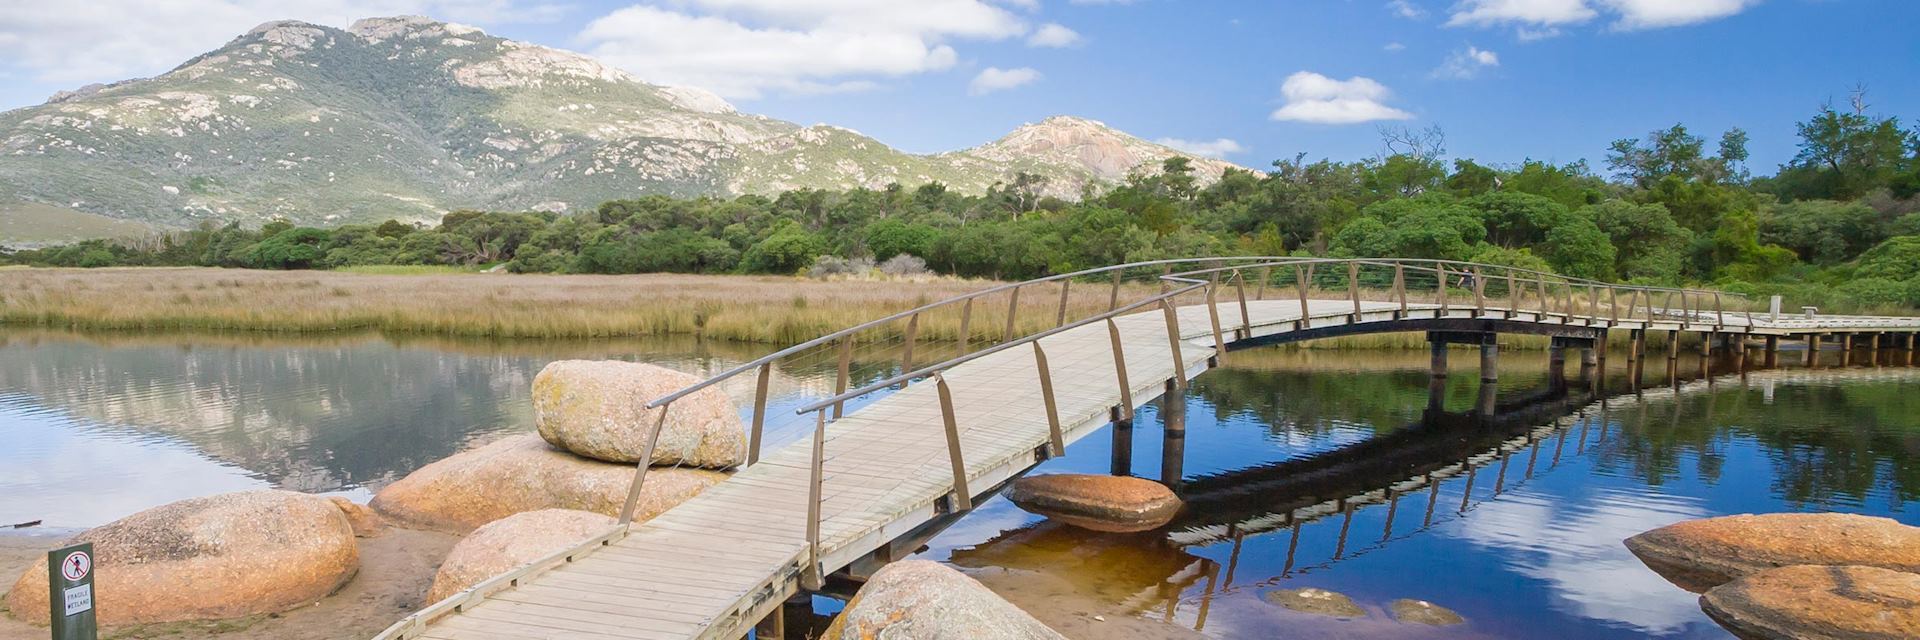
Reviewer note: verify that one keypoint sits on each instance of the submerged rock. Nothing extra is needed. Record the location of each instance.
(1700, 554)
(1102, 503)
(524, 473)
(598, 409)
(505, 544)
(1809, 602)
(1315, 601)
(211, 558)
(924, 600)
(1423, 612)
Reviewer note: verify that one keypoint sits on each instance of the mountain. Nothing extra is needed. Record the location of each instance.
(408, 117)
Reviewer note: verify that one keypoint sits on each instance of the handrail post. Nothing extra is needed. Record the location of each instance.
(1513, 295)
(1113, 299)
(1719, 313)
(1613, 305)
(1173, 342)
(1300, 277)
(1065, 285)
(1246, 320)
(966, 324)
(1120, 371)
(1545, 308)
(759, 412)
(1479, 293)
(840, 380)
(640, 470)
(1056, 441)
(1440, 291)
(906, 355)
(1266, 274)
(962, 497)
(1400, 286)
(1013, 307)
(1353, 288)
(1213, 314)
(1570, 309)
(813, 577)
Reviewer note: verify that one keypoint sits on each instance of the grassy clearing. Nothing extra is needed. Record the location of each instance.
(767, 309)
(409, 269)
(25, 223)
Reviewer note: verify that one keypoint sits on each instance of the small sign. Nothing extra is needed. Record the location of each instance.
(70, 590)
(79, 599)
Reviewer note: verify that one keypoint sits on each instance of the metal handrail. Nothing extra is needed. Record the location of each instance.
(1269, 261)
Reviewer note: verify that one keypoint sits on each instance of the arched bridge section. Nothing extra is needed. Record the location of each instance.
(936, 407)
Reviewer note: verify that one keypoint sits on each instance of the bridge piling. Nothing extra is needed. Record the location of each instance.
(1846, 350)
(1489, 359)
(1121, 463)
(1673, 345)
(1173, 444)
(1813, 349)
(1438, 366)
(1773, 351)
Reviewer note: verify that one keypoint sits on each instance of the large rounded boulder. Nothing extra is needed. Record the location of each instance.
(598, 409)
(1116, 504)
(508, 543)
(1698, 555)
(523, 473)
(925, 600)
(211, 558)
(1810, 602)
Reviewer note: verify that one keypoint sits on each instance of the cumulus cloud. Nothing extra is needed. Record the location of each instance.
(1053, 35)
(1406, 9)
(1657, 14)
(1539, 19)
(744, 48)
(1467, 63)
(993, 79)
(106, 40)
(1395, 47)
(1215, 148)
(1311, 97)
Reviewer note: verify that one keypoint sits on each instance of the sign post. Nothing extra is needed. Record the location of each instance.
(70, 586)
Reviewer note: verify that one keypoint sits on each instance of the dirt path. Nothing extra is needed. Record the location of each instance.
(395, 569)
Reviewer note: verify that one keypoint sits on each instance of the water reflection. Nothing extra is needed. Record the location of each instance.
(1505, 503)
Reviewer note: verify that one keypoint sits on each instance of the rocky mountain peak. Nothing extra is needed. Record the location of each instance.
(409, 28)
(1108, 153)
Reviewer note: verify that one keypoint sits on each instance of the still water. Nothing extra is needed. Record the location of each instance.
(1345, 471)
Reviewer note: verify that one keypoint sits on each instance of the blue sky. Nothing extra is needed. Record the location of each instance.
(1506, 79)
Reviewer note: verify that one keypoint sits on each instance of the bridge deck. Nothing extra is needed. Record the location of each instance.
(712, 567)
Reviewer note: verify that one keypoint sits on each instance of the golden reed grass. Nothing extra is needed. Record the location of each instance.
(768, 309)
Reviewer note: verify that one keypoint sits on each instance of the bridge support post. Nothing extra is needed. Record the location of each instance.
(1438, 366)
(1590, 357)
(1673, 345)
(1489, 359)
(1637, 345)
(1706, 342)
(1173, 445)
(1556, 357)
(1436, 396)
(1813, 349)
(1773, 351)
(1122, 458)
(1911, 338)
(1846, 349)
(1488, 401)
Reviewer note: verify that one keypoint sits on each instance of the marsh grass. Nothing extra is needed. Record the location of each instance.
(766, 309)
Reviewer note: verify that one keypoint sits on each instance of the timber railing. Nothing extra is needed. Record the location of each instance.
(917, 345)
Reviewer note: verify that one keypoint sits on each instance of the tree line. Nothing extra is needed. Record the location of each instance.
(1840, 221)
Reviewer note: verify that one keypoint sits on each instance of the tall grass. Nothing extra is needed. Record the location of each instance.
(768, 309)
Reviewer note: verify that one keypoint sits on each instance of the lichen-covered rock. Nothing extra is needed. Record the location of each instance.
(1102, 503)
(924, 600)
(1423, 612)
(598, 409)
(506, 544)
(1700, 554)
(211, 558)
(365, 521)
(1811, 602)
(1315, 601)
(524, 473)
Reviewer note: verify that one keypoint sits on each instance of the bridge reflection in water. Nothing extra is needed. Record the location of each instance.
(1481, 453)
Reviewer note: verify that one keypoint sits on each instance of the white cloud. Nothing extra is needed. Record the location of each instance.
(1406, 9)
(1657, 14)
(1537, 13)
(1215, 148)
(1467, 63)
(1053, 35)
(1394, 47)
(1311, 97)
(993, 79)
(744, 48)
(1100, 1)
(1540, 19)
(106, 40)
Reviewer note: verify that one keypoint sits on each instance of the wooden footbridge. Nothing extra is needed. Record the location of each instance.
(899, 451)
